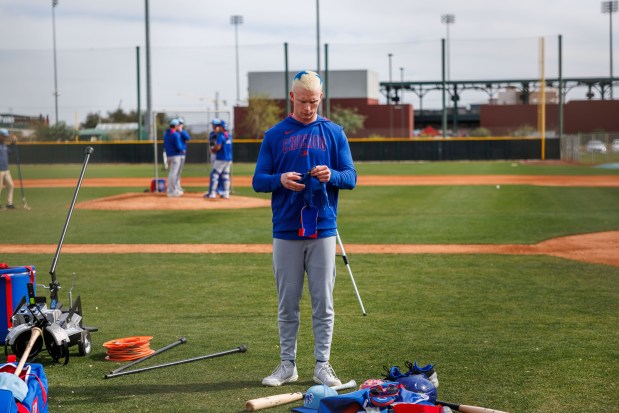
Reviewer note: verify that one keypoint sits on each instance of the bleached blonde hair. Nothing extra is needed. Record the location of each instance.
(308, 80)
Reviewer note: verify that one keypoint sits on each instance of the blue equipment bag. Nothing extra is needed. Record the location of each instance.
(13, 287)
(36, 399)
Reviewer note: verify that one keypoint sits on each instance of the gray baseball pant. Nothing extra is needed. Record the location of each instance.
(291, 260)
(174, 174)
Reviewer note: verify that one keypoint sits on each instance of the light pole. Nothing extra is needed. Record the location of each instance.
(148, 119)
(318, 37)
(401, 84)
(390, 55)
(401, 101)
(448, 19)
(54, 4)
(610, 7)
(236, 20)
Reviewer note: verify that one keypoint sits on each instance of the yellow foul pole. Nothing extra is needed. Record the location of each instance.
(541, 101)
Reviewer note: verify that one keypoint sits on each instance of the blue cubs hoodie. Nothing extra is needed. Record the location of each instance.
(292, 146)
(173, 143)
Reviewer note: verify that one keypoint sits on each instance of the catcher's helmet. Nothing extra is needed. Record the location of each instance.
(417, 383)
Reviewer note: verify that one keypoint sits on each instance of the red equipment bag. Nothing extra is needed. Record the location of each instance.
(161, 185)
(415, 408)
(36, 399)
(13, 287)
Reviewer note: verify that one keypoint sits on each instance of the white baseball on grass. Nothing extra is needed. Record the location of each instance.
(498, 187)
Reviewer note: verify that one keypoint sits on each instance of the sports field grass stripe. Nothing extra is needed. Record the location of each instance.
(362, 180)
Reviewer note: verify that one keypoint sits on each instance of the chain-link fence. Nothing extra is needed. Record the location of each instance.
(590, 148)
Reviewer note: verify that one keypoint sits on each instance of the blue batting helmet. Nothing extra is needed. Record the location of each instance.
(417, 383)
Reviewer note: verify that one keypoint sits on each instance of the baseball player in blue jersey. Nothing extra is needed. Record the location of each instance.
(222, 163)
(216, 125)
(185, 137)
(174, 149)
(304, 161)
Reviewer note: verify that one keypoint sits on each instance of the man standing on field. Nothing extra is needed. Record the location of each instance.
(175, 151)
(304, 161)
(5, 173)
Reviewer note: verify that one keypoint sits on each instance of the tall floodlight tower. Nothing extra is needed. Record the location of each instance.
(236, 21)
(318, 37)
(390, 55)
(610, 7)
(54, 4)
(448, 19)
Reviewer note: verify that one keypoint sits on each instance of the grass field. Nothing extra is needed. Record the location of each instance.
(517, 333)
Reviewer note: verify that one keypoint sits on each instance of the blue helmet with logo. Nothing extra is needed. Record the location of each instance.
(418, 383)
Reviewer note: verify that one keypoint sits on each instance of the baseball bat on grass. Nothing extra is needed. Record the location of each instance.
(280, 399)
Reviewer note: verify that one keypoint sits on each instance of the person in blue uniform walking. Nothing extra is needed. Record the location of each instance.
(304, 161)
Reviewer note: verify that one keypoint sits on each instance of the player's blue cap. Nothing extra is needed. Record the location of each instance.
(223, 124)
(216, 122)
(174, 122)
(4, 132)
(180, 120)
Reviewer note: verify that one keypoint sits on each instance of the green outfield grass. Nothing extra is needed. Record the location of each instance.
(530, 334)
(421, 214)
(96, 170)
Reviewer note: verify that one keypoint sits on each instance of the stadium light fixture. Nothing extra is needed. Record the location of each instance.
(610, 7)
(448, 19)
(236, 21)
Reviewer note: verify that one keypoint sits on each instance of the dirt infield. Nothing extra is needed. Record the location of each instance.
(598, 248)
(134, 201)
(367, 180)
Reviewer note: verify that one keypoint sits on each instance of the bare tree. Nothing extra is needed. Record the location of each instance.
(262, 113)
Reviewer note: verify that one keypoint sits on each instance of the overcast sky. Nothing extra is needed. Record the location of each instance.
(193, 47)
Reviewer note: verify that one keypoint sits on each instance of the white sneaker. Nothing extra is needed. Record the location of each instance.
(324, 374)
(286, 372)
